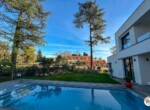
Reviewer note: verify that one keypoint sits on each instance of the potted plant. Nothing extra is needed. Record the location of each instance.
(128, 83)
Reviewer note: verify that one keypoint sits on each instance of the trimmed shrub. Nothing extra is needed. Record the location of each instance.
(30, 71)
(5, 67)
(45, 70)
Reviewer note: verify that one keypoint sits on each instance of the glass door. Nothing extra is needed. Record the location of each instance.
(128, 66)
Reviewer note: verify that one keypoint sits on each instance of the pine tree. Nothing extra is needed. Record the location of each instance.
(39, 56)
(89, 13)
(23, 23)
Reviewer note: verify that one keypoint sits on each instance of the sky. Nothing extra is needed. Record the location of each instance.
(62, 35)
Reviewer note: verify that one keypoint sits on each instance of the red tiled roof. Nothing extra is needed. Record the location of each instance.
(87, 60)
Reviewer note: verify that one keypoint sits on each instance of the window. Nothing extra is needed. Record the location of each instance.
(126, 41)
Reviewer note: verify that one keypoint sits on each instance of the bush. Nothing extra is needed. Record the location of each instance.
(30, 71)
(5, 67)
(21, 70)
(45, 70)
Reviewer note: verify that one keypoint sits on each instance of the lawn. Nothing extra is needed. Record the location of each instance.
(77, 77)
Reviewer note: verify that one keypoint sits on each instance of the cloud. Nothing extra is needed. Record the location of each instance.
(65, 45)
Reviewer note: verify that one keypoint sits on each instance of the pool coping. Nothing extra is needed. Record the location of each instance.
(76, 84)
(4, 108)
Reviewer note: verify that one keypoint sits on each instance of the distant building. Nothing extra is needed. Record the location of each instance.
(98, 64)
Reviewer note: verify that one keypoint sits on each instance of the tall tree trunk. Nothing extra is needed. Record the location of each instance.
(15, 47)
(91, 49)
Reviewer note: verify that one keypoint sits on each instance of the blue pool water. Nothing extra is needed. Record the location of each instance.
(45, 97)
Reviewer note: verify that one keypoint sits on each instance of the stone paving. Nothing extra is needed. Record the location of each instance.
(77, 84)
(142, 90)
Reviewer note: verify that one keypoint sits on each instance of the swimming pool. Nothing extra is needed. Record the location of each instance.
(46, 97)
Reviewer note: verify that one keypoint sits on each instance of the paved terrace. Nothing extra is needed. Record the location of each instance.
(142, 90)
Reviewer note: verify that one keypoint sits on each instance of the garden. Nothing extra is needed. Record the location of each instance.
(18, 57)
(55, 70)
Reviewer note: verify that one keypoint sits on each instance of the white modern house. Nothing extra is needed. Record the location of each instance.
(132, 56)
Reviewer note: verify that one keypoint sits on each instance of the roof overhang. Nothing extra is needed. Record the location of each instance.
(137, 14)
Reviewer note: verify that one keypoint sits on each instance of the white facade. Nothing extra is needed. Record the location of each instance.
(133, 47)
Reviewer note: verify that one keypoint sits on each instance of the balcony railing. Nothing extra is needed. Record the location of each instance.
(143, 37)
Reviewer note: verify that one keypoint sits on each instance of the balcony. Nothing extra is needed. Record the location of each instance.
(143, 37)
(141, 47)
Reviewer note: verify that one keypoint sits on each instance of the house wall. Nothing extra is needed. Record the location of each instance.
(137, 71)
(140, 65)
(140, 48)
(117, 66)
(145, 68)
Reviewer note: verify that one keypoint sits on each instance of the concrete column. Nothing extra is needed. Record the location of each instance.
(132, 36)
(120, 68)
(144, 61)
(118, 44)
(137, 72)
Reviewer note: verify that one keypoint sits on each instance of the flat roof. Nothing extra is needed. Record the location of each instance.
(140, 11)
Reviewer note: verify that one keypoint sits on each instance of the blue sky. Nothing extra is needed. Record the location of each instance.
(61, 34)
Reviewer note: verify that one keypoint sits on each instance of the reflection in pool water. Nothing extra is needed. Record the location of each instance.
(45, 97)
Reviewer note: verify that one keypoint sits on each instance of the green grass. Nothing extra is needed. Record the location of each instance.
(77, 77)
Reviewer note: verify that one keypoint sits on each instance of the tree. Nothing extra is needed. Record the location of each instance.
(20, 59)
(29, 55)
(89, 13)
(5, 67)
(63, 54)
(23, 24)
(39, 56)
(85, 54)
(60, 60)
(47, 62)
(113, 50)
(100, 58)
(4, 50)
